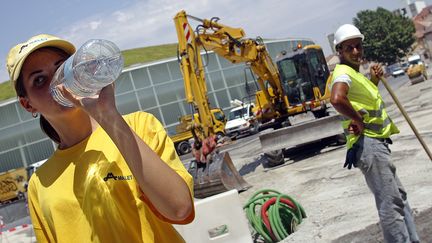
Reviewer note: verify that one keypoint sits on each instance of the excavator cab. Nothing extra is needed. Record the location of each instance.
(303, 74)
(295, 79)
(318, 69)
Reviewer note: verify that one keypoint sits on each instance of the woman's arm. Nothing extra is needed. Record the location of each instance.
(166, 190)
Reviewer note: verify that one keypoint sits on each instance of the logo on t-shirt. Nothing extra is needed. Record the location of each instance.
(110, 175)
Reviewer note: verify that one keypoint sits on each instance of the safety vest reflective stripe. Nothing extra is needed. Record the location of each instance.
(371, 113)
(378, 127)
(376, 113)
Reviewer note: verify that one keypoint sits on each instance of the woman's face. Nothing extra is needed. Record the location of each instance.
(37, 73)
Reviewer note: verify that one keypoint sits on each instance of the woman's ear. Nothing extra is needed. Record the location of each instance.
(25, 103)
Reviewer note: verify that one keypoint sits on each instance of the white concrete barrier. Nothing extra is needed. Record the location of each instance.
(219, 218)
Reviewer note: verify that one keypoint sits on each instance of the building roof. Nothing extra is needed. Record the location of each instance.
(422, 22)
(423, 14)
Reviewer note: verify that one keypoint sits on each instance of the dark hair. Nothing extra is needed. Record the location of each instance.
(43, 122)
(48, 129)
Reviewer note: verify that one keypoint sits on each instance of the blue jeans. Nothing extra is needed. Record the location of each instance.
(395, 214)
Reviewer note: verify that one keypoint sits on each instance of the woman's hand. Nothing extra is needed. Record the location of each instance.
(97, 106)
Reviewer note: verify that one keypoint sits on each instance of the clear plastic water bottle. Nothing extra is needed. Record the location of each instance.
(96, 64)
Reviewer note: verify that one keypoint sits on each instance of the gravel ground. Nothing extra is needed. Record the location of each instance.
(339, 205)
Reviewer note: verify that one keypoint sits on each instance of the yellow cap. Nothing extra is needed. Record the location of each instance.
(20, 52)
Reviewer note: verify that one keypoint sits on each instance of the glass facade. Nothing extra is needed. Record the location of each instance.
(156, 88)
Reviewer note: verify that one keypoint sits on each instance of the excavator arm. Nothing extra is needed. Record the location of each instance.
(193, 75)
(230, 44)
(215, 173)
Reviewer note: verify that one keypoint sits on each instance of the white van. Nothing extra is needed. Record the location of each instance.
(241, 120)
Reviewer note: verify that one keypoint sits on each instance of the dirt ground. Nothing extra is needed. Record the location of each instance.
(339, 206)
(372, 233)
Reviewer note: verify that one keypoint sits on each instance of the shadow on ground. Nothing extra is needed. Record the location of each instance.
(293, 155)
(251, 167)
(309, 150)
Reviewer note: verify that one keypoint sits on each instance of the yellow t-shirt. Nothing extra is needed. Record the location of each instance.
(87, 193)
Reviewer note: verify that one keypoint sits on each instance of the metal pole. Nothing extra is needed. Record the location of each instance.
(396, 100)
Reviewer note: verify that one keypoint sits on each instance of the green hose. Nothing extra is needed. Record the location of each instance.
(283, 215)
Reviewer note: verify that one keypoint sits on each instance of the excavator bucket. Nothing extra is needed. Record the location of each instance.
(217, 176)
(302, 133)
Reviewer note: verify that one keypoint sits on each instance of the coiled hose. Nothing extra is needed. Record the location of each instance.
(273, 215)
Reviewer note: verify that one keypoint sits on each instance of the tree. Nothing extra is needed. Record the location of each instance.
(388, 37)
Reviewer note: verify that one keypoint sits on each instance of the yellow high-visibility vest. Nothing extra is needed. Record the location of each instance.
(366, 99)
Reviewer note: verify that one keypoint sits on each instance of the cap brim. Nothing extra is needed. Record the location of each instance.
(58, 43)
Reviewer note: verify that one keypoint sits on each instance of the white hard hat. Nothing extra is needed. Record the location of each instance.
(346, 32)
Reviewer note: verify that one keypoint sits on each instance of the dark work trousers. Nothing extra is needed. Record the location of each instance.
(395, 214)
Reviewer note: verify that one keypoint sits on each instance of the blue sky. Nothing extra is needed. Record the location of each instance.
(139, 23)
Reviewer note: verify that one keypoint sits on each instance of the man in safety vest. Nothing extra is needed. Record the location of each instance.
(368, 128)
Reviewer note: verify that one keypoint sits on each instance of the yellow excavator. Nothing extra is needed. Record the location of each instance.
(417, 69)
(213, 172)
(297, 83)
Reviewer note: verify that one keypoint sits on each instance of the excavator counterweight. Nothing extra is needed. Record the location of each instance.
(301, 133)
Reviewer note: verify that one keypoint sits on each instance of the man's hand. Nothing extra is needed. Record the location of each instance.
(356, 127)
(376, 72)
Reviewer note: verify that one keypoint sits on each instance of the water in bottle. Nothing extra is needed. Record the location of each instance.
(95, 65)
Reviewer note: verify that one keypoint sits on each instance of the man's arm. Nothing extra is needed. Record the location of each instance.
(340, 101)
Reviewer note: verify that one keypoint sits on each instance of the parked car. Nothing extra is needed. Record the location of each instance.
(404, 66)
(397, 71)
